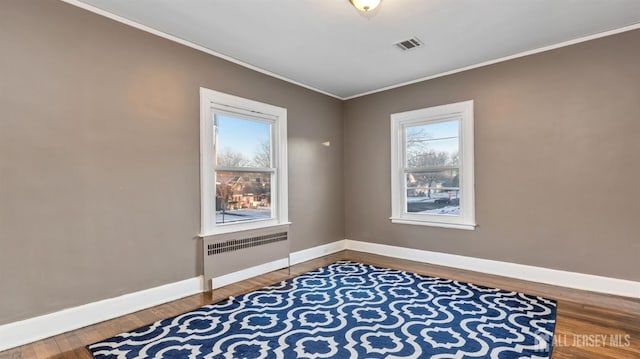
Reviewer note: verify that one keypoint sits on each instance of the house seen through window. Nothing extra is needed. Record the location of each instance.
(243, 163)
(243, 169)
(432, 168)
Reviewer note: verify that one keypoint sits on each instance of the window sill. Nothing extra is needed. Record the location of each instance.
(465, 226)
(240, 227)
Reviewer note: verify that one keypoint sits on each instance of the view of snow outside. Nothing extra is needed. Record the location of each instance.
(242, 144)
(440, 203)
(432, 164)
(242, 215)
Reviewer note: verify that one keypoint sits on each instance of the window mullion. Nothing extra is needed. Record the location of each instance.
(244, 169)
(430, 169)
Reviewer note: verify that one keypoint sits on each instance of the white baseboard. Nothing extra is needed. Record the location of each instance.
(317, 252)
(32, 329)
(221, 281)
(561, 278)
(294, 258)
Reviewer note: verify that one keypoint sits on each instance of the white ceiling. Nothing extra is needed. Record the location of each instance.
(328, 46)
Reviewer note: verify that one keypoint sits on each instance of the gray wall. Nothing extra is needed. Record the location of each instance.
(557, 160)
(99, 174)
(99, 146)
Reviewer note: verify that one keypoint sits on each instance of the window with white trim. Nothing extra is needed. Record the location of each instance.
(432, 174)
(243, 163)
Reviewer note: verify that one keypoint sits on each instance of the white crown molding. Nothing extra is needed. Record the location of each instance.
(32, 329)
(502, 59)
(190, 44)
(561, 278)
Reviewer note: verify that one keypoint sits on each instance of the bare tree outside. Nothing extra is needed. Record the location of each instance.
(262, 156)
(420, 155)
(435, 183)
(243, 179)
(224, 191)
(229, 158)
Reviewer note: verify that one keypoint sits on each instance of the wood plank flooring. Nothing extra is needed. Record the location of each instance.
(589, 325)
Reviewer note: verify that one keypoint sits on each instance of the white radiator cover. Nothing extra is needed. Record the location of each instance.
(233, 252)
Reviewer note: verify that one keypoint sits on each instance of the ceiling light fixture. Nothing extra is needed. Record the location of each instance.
(365, 5)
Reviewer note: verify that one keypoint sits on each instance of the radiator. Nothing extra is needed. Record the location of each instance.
(232, 252)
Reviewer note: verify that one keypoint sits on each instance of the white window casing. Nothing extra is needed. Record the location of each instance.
(462, 112)
(217, 103)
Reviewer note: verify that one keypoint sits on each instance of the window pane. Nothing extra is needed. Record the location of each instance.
(436, 192)
(242, 143)
(242, 196)
(433, 145)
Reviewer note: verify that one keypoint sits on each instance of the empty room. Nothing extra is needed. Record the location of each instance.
(256, 179)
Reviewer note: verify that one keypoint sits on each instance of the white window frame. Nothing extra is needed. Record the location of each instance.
(463, 111)
(214, 102)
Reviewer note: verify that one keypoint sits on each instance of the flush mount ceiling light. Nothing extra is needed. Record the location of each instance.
(365, 5)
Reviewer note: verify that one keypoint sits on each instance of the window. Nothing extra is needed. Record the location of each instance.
(243, 163)
(432, 166)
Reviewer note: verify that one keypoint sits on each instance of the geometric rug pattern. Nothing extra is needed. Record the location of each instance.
(351, 310)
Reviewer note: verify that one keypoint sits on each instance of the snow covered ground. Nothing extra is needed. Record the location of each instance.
(425, 199)
(439, 203)
(450, 210)
(247, 214)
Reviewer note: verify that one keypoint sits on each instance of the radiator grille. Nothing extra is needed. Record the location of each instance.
(237, 244)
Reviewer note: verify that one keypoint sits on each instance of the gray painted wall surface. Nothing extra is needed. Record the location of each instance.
(557, 152)
(99, 167)
(99, 174)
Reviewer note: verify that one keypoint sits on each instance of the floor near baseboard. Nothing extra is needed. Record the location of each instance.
(588, 325)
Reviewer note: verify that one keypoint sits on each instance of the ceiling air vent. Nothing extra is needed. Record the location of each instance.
(409, 44)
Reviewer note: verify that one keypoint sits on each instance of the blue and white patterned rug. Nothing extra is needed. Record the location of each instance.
(351, 310)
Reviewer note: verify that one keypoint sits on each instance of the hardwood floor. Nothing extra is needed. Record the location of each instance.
(589, 325)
